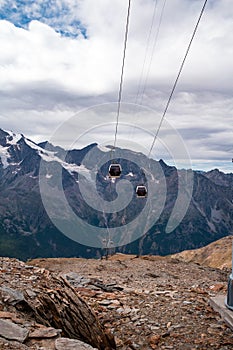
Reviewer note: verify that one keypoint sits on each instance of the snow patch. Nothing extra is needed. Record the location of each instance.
(103, 148)
(49, 157)
(71, 168)
(4, 155)
(80, 169)
(14, 138)
(37, 148)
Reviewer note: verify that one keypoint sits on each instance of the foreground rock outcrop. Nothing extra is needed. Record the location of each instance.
(50, 306)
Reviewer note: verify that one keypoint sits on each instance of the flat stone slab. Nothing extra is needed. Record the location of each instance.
(47, 332)
(12, 296)
(218, 304)
(12, 344)
(12, 331)
(71, 344)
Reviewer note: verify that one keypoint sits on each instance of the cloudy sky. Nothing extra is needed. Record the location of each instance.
(62, 58)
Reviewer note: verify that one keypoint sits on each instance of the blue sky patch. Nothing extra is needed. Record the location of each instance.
(58, 14)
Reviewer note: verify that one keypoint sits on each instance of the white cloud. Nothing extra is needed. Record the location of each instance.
(46, 77)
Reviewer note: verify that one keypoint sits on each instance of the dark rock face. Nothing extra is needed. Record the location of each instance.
(27, 232)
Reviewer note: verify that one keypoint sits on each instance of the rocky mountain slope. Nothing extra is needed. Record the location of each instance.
(145, 303)
(217, 254)
(26, 230)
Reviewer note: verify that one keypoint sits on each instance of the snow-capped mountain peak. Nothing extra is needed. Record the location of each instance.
(16, 149)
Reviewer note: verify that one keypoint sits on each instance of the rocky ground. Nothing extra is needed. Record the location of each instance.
(217, 254)
(145, 302)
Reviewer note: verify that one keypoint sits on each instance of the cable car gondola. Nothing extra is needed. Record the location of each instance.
(114, 170)
(141, 191)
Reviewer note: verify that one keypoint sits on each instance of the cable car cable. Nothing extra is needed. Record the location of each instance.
(146, 51)
(122, 74)
(115, 169)
(152, 53)
(177, 78)
(139, 103)
(174, 86)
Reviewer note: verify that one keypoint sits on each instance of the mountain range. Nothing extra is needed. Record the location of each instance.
(26, 231)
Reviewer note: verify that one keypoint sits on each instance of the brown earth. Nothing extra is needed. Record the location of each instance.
(217, 254)
(163, 304)
(146, 302)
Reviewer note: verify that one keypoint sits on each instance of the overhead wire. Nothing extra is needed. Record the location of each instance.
(143, 80)
(152, 52)
(146, 51)
(119, 97)
(122, 76)
(177, 78)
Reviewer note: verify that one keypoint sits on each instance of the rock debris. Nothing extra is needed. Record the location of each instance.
(143, 302)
